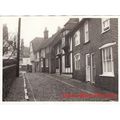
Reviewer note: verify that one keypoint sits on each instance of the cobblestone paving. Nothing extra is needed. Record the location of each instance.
(52, 87)
(47, 87)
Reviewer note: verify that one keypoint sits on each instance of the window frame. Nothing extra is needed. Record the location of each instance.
(67, 59)
(77, 61)
(77, 39)
(86, 35)
(46, 62)
(41, 63)
(102, 21)
(105, 61)
(57, 63)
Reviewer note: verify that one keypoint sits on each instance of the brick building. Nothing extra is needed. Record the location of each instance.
(63, 48)
(86, 50)
(47, 53)
(95, 52)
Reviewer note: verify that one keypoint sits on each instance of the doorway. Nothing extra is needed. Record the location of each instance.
(90, 68)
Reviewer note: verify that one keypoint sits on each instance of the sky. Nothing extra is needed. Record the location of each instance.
(34, 26)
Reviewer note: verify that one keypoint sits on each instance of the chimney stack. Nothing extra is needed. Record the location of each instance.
(58, 28)
(45, 33)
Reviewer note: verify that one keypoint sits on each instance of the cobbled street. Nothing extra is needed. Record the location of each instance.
(52, 87)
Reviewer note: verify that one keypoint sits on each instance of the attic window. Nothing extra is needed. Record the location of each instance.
(105, 24)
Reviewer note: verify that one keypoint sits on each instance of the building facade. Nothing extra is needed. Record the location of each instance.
(63, 49)
(47, 53)
(34, 53)
(95, 52)
(86, 49)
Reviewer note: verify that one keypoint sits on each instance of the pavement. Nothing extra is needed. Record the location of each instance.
(16, 92)
(53, 87)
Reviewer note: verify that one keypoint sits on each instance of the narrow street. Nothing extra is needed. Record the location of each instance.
(52, 87)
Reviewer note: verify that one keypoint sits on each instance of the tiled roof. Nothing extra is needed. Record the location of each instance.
(36, 43)
(50, 40)
(76, 26)
(71, 23)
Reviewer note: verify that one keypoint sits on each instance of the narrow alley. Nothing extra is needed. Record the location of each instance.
(52, 87)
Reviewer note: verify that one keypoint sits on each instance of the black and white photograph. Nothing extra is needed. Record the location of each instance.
(60, 58)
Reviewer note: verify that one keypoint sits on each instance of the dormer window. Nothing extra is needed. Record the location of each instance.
(105, 24)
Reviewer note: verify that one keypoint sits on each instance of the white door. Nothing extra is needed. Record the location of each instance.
(93, 68)
(87, 67)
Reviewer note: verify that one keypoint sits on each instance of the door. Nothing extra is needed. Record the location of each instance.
(60, 64)
(43, 69)
(93, 68)
(87, 67)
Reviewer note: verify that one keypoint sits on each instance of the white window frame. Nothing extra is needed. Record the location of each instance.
(58, 49)
(46, 62)
(41, 62)
(86, 31)
(105, 61)
(43, 53)
(77, 61)
(70, 39)
(37, 56)
(77, 37)
(106, 27)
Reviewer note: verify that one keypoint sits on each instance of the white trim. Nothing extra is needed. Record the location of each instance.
(86, 67)
(105, 30)
(77, 37)
(76, 60)
(105, 67)
(107, 45)
(46, 62)
(103, 20)
(92, 77)
(86, 29)
(107, 75)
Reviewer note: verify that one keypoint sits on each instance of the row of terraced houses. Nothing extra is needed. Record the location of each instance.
(85, 49)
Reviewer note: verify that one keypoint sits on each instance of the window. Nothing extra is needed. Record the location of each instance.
(37, 56)
(105, 24)
(107, 61)
(77, 38)
(46, 62)
(57, 63)
(58, 49)
(86, 31)
(67, 60)
(43, 53)
(41, 62)
(70, 42)
(63, 41)
(77, 61)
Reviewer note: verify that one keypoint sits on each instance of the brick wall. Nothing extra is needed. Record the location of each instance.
(97, 40)
(110, 83)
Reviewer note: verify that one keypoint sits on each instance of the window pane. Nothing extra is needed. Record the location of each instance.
(77, 61)
(107, 60)
(105, 24)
